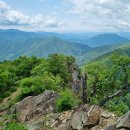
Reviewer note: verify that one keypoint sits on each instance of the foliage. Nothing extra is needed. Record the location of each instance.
(67, 99)
(119, 108)
(14, 126)
(7, 79)
(126, 100)
(34, 75)
(107, 78)
(59, 66)
(25, 65)
(38, 84)
(41, 68)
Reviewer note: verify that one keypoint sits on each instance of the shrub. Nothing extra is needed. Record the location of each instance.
(14, 126)
(31, 86)
(66, 101)
(119, 108)
(35, 85)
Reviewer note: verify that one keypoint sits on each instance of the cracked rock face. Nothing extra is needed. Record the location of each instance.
(124, 122)
(86, 119)
(38, 113)
(32, 108)
(81, 118)
(76, 122)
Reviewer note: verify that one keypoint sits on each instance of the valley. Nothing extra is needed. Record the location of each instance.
(15, 43)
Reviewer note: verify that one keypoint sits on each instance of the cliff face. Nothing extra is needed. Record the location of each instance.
(38, 114)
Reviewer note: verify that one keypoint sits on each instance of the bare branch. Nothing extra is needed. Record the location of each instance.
(116, 94)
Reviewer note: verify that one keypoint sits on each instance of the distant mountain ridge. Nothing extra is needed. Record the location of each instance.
(106, 39)
(92, 39)
(125, 51)
(14, 34)
(98, 52)
(15, 43)
(31, 44)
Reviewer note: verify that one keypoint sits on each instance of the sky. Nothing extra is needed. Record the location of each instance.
(65, 15)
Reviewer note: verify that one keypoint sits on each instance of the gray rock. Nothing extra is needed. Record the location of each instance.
(106, 114)
(32, 108)
(84, 107)
(93, 117)
(84, 117)
(76, 122)
(124, 121)
(111, 127)
(34, 126)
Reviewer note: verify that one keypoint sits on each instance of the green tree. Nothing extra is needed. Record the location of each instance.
(108, 80)
(7, 80)
(25, 65)
(41, 68)
(38, 84)
(61, 66)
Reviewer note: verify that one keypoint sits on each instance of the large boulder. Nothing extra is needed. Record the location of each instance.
(93, 116)
(76, 122)
(106, 114)
(124, 121)
(85, 117)
(31, 108)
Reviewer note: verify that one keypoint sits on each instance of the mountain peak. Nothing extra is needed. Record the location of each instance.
(106, 39)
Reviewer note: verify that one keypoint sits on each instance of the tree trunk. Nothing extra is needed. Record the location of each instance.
(84, 88)
(118, 93)
(94, 87)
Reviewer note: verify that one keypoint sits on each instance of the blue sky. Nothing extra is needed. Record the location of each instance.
(65, 15)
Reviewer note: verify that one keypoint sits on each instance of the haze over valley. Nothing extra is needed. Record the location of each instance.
(15, 43)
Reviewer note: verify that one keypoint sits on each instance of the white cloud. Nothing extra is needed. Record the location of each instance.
(113, 13)
(11, 17)
(47, 22)
(80, 15)
(15, 17)
(3, 6)
(43, 21)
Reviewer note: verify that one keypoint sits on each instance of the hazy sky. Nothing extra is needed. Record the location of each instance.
(65, 15)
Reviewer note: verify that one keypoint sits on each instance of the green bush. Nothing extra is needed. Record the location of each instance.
(34, 75)
(31, 86)
(119, 108)
(66, 100)
(35, 85)
(14, 126)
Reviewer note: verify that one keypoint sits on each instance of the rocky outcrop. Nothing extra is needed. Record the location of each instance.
(31, 108)
(124, 122)
(86, 119)
(76, 81)
(38, 114)
(80, 118)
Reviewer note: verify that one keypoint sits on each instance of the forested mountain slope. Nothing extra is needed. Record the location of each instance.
(102, 50)
(41, 47)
